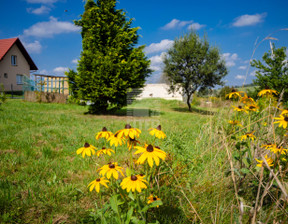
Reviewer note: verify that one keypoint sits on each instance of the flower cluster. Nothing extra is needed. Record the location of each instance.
(112, 175)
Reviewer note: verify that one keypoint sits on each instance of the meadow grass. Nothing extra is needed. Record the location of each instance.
(42, 178)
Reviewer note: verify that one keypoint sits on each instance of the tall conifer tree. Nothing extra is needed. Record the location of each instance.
(110, 64)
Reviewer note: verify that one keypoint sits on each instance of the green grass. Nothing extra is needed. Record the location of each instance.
(44, 181)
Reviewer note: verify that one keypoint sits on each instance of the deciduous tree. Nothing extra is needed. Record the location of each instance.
(191, 64)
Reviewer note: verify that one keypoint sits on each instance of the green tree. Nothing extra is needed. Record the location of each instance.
(110, 65)
(191, 64)
(273, 73)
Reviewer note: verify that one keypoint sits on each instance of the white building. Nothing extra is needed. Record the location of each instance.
(159, 91)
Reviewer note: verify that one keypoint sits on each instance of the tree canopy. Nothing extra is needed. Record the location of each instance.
(273, 73)
(191, 64)
(110, 64)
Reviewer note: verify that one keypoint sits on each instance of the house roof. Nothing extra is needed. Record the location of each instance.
(6, 45)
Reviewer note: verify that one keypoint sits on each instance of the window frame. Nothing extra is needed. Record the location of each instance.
(19, 79)
(14, 60)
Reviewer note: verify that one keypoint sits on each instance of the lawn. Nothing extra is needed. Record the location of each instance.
(44, 181)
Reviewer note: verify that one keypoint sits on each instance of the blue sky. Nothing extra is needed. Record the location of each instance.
(46, 29)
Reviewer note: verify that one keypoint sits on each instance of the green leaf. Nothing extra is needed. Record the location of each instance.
(128, 172)
(114, 203)
(131, 196)
(155, 204)
(129, 215)
(245, 171)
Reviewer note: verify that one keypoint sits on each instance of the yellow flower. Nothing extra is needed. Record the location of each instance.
(133, 183)
(104, 151)
(275, 149)
(282, 120)
(111, 169)
(252, 107)
(96, 184)
(285, 111)
(235, 123)
(115, 140)
(240, 109)
(248, 135)
(128, 131)
(234, 93)
(267, 92)
(260, 162)
(157, 132)
(150, 153)
(104, 134)
(131, 143)
(267, 146)
(152, 198)
(247, 100)
(86, 150)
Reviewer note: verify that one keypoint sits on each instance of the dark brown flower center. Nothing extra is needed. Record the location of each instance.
(149, 148)
(267, 87)
(104, 129)
(141, 174)
(128, 126)
(86, 145)
(154, 199)
(133, 178)
(240, 107)
(111, 166)
(252, 107)
(286, 119)
(103, 147)
(98, 180)
(159, 127)
(233, 90)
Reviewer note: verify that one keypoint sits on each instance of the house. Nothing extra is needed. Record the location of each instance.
(15, 62)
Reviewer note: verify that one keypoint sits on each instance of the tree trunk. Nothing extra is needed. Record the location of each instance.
(188, 102)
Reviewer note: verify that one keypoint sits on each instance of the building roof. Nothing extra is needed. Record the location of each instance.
(6, 45)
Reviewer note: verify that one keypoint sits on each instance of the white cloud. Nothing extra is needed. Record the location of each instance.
(39, 11)
(60, 70)
(34, 47)
(230, 59)
(75, 61)
(253, 73)
(156, 47)
(249, 20)
(157, 62)
(50, 28)
(43, 72)
(175, 23)
(196, 26)
(240, 77)
(42, 1)
(243, 67)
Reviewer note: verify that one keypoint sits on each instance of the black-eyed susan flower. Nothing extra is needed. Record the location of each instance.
(104, 151)
(157, 132)
(267, 92)
(234, 94)
(248, 135)
(247, 100)
(252, 107)
(239, 109)
(278, 149)
(96, 184)
(268, 160)
(128, 131)
(235, 122)
(86, 150)
(153, 198)
(115, 140)
(132, 142)
(111, 169)
(133, 183)
(285, 111)
(267, 146)
(282, 120)
(151, 154)
(104, 134)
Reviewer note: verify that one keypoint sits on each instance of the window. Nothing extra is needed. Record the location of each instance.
(19, 79)
(5, 75)
(13, 60)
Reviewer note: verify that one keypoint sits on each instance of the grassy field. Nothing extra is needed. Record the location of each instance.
(43, 180)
